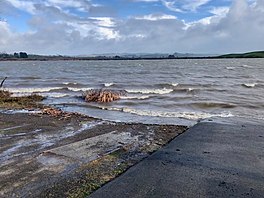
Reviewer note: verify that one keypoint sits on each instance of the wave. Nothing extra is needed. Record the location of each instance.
(54, 95)
(185, 115)
(249, 85)
(135, 97)
(108, 84)
(20, 111)
(230, 68)
(206, 105)
(80, 89)
(33, 90)
(150, 91)
(247, 66)
(174, 84)
(30, 78)
(70, 83)
(166, 84)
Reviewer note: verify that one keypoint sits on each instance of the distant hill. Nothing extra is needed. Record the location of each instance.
(256, 54)
(125, 56)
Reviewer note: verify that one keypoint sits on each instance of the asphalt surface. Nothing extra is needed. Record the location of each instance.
(209, 160)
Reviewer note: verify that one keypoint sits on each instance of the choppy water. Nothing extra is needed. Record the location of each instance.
(159, 91)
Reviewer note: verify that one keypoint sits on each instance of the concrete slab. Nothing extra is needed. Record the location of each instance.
(209, 160)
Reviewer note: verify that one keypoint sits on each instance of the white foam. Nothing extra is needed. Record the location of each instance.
(150, 91)
(108, 84)
(20, 111)
(134, 97)
(247, 66)
(185, 115)
(80, 89)
(68, 83)
(32, 90)
(174, 84)
(54, 95)
(249, 85)
(230, 68)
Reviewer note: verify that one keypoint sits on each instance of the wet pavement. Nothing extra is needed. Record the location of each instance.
(209, 160)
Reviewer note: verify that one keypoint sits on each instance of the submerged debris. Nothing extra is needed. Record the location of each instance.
(2, 83)
(103, 95)
(52, 111)
(57, 113)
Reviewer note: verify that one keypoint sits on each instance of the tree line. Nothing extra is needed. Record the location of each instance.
(15, 55)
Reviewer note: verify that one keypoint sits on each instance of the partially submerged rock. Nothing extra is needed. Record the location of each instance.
(103, 95)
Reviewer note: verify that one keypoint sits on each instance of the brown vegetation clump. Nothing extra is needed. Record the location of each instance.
(100, 95)
(52, 111)
(57, 113)
(4, 94)
(23, 102)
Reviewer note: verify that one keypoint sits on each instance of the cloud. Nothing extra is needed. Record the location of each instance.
(145, 0)
(5, 34)
(193, 5)
(171, 6)
(81, 5)
(240, 30)
(218, 14)
(27, 6)
(155, 17)
(55, 30)
(179, 5)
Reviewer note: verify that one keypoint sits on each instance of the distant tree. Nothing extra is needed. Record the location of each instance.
(4, 55)
(23, 55)
(171, 56)
(117, 57)
(16, 55)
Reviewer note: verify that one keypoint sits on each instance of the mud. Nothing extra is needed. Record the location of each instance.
(45, 156)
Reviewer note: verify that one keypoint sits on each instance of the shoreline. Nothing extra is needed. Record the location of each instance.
(44, 155)
(118, 59)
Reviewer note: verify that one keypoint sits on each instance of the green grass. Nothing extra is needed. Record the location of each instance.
(257, 54)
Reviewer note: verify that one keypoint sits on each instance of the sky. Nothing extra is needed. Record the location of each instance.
(84, 27)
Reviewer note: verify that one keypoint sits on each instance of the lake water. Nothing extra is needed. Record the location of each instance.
(159, 91)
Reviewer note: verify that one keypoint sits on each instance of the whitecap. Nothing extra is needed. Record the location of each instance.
(150, 91)
(249, 85)
(108, 84)
(185, 115)
(174, 84)
(134, 97)
(70, 83)
(80, 89)
(247, 66)
(230, 68)
(33, 90)
(20, 111)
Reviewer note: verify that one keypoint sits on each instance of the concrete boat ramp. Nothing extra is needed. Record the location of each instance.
(209, 160)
